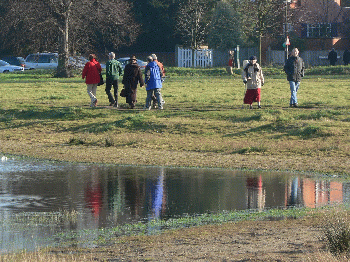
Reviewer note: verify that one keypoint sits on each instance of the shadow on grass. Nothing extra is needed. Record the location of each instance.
(134, 122)
(67, 113)
(281, 129)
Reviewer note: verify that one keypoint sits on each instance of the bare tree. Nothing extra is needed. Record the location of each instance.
(68, 26)
(192, 22)
(261, 18)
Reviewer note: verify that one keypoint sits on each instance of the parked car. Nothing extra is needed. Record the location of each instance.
(14, 60)
(6, 67)
(42, 61)
(125, 60)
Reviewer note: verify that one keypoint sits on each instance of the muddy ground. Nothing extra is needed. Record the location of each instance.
(282, 240)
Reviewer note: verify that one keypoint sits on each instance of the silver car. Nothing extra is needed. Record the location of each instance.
(42, 61)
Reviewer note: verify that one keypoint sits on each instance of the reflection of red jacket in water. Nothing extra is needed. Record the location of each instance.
(93, 196)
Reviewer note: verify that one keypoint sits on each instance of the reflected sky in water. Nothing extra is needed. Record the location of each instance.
(107, 195)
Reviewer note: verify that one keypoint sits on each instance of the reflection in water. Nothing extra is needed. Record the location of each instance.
(255, 193)
(108, 196)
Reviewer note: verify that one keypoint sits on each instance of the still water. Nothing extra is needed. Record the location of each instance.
(104, 196)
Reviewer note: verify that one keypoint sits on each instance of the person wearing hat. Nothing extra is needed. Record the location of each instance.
(253, 78)
(132, 77)
(294, 69)
(113, 71)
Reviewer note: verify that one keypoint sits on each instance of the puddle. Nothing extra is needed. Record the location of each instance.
(40, 200)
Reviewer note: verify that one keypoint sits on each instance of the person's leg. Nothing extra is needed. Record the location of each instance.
(258, 97)
(159, 98)
(133, 93)
(149, 99)
(108, 88)
(94, 91)
(154, 99)
(115, 86)
(293, 93)
(91, 94)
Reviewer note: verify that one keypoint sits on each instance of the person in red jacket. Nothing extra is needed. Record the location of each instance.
(91, 74)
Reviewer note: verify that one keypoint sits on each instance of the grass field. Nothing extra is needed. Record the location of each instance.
(203, 123)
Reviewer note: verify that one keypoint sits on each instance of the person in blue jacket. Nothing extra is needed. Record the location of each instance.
(153, 81)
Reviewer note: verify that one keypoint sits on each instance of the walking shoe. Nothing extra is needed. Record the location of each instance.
(95, 102)
(295, 105)
(259, 106)
(250, 107)
(115, 104)
(111, 104)
(147, 108)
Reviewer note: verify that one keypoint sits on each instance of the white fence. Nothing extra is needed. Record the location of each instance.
(194, 58)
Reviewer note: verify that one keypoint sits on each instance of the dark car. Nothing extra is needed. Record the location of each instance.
(14, 60)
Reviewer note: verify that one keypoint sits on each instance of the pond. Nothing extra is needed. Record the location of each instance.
(39, 200)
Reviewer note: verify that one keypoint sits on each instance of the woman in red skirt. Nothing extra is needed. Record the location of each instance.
(253, 78)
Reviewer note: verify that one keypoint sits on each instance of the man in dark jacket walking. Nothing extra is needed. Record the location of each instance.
(294, 69)
(113, 71)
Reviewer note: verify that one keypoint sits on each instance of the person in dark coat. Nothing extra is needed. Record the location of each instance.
(294, 69)
(332, 57)
(346, 57)
(132, 76)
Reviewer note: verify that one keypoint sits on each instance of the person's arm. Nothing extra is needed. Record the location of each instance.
(147, 74)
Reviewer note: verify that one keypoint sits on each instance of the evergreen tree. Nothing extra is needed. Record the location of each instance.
(225, 31)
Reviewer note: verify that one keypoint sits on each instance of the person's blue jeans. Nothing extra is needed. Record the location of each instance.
(294, 86)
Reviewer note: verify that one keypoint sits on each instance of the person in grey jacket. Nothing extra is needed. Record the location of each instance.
(294, 69)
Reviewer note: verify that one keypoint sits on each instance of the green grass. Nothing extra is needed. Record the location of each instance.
(46, 117)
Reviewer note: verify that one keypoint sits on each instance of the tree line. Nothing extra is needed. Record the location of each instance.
(83, 26)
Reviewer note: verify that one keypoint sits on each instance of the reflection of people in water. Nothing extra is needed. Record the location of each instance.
(156, 191)
(294, 198)
(94, 197)
(256, 193)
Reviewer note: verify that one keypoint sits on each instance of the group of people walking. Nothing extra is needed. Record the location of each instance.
(253, 78)
(132, 77)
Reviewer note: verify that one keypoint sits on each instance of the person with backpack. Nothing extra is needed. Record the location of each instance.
(253, 78)
(294, 69)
